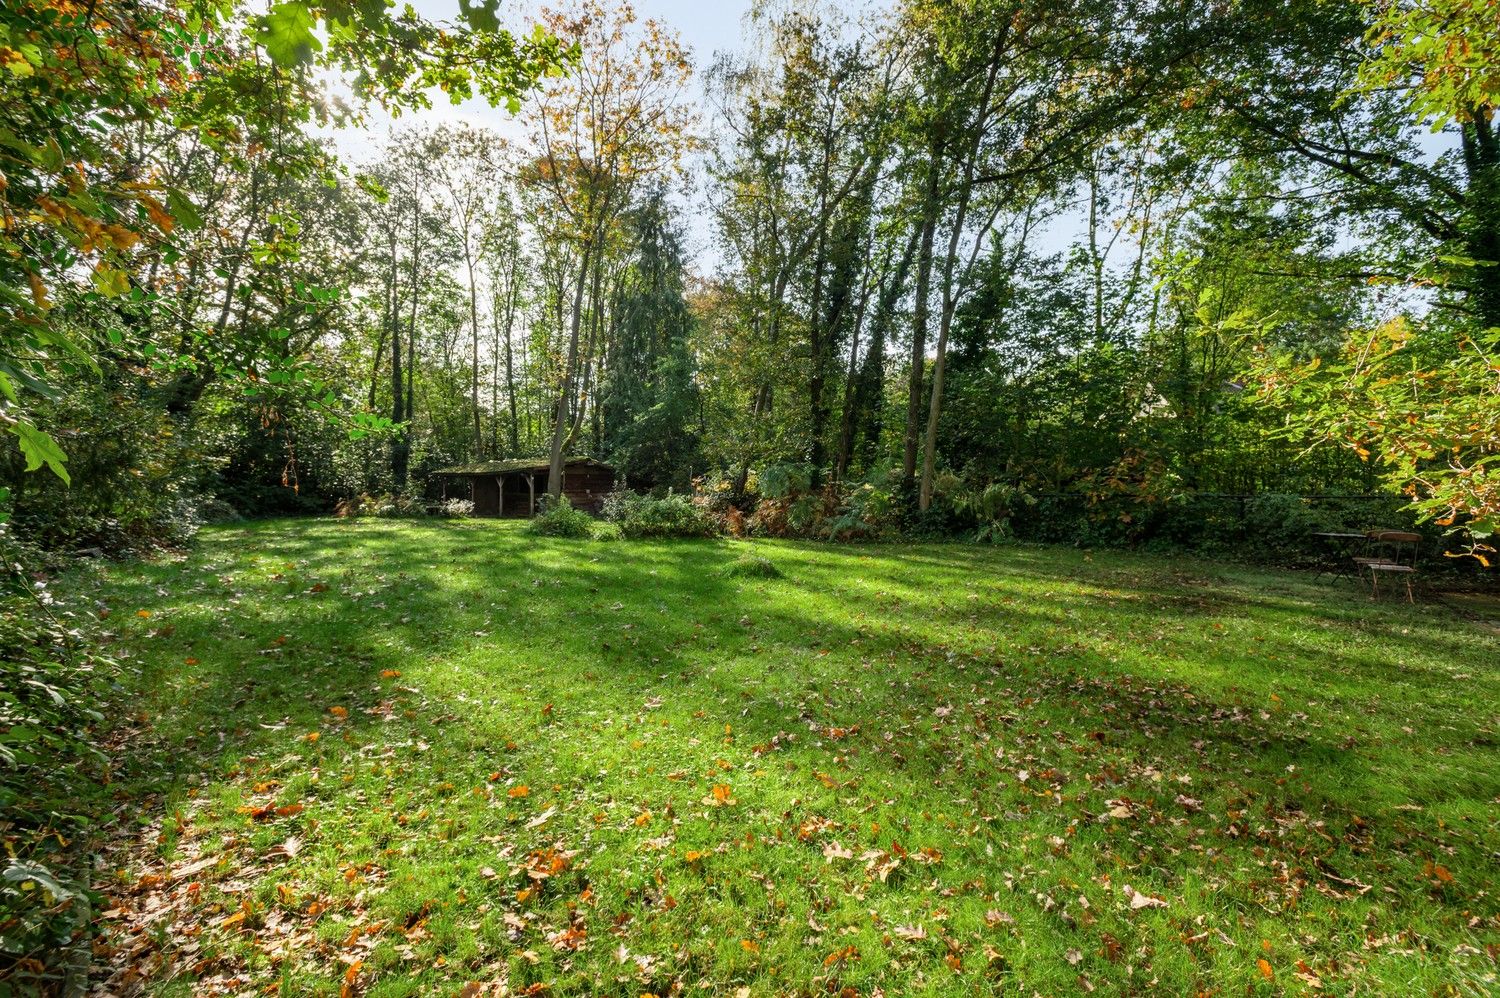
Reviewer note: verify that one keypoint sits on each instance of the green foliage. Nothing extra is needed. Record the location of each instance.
(650, 392)
(84, 223)
(52, 684)
(558, 518)
(867, 511)
(1377, 400)
(671, 515)
(1446, 53)
(137, 480)
(784, 480)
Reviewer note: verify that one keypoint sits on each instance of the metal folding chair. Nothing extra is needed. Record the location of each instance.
(1391, 552)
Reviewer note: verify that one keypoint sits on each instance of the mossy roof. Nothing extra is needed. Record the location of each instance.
(530, 464)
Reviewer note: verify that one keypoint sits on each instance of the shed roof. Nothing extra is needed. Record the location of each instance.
(529, 464)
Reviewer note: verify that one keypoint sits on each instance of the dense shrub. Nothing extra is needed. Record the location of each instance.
(136, 476)
(391, 506)
(867, 511)
(670, 515)
(558, 518)
(50, 683)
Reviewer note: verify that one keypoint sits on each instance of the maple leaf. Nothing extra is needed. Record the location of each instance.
(520, 790)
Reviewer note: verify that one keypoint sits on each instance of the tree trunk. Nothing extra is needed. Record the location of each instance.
(919, 318)
(474, 349)
(511, 298)
(865, 384)
(953, 278)
(560, 414)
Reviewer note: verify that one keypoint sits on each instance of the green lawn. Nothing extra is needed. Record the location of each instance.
(397, 759)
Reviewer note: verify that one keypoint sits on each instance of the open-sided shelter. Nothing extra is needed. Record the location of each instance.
(515, 487)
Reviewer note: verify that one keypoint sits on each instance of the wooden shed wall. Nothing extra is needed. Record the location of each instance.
(584, 485)
(587, 486)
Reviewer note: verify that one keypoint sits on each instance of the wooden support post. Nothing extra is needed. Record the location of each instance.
(531, 485)
(500, 502)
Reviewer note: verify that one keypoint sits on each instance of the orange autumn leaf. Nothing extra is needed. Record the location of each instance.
(520, 790)
(643, 819)
(1437, 872)
(750, 945)
(1265, 968)
(390, 673)
(312, 736)
(339, 712)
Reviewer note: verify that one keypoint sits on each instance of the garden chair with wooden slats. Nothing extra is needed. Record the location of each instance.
(1391, 552)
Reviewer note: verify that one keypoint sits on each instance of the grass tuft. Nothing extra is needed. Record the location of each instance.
(751, 566)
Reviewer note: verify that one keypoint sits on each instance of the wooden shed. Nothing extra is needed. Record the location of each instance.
(514, 488)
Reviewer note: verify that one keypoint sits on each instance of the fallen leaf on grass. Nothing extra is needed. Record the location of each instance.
(1265, 968)
(1308, 976)
(834, 850)
(1438, 873)
(1139, 900)
(194, 868)
(520, 790)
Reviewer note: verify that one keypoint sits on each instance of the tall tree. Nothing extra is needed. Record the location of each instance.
(619, 120)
